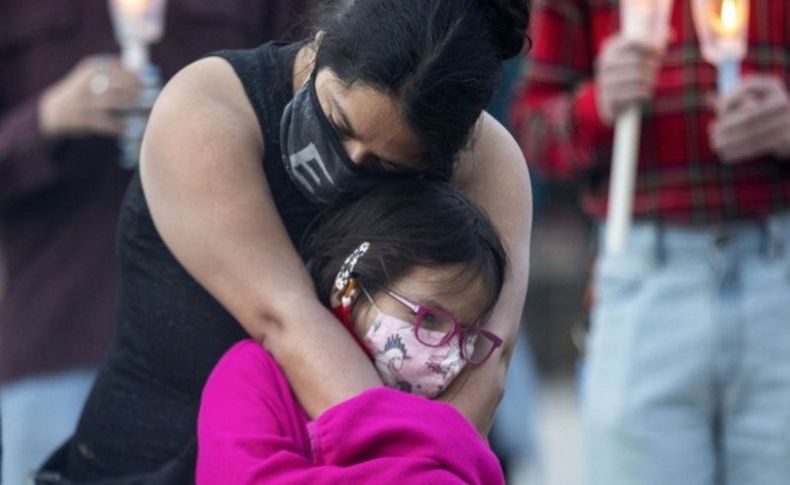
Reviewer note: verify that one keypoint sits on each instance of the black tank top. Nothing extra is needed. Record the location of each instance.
(142, 411)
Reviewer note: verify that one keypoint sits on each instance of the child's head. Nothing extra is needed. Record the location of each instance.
(426, 245)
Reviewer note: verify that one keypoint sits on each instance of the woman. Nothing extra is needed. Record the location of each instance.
(414, 294)
(242, 151)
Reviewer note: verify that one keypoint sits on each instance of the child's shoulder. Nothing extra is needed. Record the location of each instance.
(247, 349)
(248, 358)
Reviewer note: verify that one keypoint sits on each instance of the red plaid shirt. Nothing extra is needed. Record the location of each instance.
(679, 178)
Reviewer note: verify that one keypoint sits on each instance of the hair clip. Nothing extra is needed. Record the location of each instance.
(347, 270)
(349, 294)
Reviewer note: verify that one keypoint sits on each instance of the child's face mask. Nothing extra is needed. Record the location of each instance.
(422, 356)
(407, 364)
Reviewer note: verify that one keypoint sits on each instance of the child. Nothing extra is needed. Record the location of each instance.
(412, 269)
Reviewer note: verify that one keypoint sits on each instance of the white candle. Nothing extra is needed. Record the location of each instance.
(134, 55)
(623, 179)
(729, 72)
(137, 23)
(647, 21)
(729, 66)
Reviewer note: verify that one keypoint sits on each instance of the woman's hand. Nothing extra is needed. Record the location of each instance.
(494, 174)
(204, 182)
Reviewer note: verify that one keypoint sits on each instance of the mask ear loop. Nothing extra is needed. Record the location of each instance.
(370, 298)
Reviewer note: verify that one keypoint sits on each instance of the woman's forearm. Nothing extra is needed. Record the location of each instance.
(494, 174)
(478, 390)
(323, 364)
(211, 203)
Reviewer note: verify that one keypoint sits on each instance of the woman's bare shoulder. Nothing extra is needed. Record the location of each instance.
(202, 118)
(202, 122)
(492, 148)
(207, 94)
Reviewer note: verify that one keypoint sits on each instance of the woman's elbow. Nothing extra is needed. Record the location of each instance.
(271, 321)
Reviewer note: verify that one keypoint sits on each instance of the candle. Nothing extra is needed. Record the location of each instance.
(721, 27)
(728, 73)
(133, 7)
(729, 66)
(137, 24)
(648, 22)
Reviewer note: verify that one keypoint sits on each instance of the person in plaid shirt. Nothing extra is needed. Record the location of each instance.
(688, 377)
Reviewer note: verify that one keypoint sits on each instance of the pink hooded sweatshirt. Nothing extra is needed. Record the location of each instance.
(252, 430)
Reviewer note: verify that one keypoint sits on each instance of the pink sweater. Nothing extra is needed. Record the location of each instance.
(252, 430)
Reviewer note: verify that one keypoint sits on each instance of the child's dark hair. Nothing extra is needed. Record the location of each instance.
(408, 223)
(442, 59)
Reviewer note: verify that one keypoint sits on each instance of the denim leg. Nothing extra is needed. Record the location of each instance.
(514, 423)
(756, 403)
(648, 398)
(39, 413)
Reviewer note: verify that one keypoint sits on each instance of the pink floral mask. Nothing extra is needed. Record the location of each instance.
(403, 360)
(406, 364)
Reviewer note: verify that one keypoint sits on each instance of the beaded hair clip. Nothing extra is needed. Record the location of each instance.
(345, 275)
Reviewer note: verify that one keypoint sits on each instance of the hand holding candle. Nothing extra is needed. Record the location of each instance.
(78, 104)
(625, 75)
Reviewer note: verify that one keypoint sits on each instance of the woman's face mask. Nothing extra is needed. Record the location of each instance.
(314, 158)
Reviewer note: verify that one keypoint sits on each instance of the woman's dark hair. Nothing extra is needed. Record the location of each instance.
(408, 223)
(442, 59)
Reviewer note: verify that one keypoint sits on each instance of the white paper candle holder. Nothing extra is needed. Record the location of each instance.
(137, 23)
(722, 27)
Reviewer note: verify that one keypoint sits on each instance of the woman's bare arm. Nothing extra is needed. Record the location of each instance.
(204, 183)
(494, 174)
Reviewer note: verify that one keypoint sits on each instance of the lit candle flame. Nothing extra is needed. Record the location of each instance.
(133, 7)
(722, 28)
(729, 16)
(729, 19)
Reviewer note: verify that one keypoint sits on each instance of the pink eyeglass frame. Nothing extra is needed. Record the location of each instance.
(458, 330)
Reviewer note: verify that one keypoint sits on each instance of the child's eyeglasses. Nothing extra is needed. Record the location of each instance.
(435, 327)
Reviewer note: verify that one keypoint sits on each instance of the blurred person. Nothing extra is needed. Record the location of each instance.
(688, 377)
(61, 94)
(244, 149)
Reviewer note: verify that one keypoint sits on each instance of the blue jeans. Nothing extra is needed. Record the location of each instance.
(514, 424)
(38, 414)
(688, 377)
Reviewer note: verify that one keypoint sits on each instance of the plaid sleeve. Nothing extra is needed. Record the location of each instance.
(554, 115)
